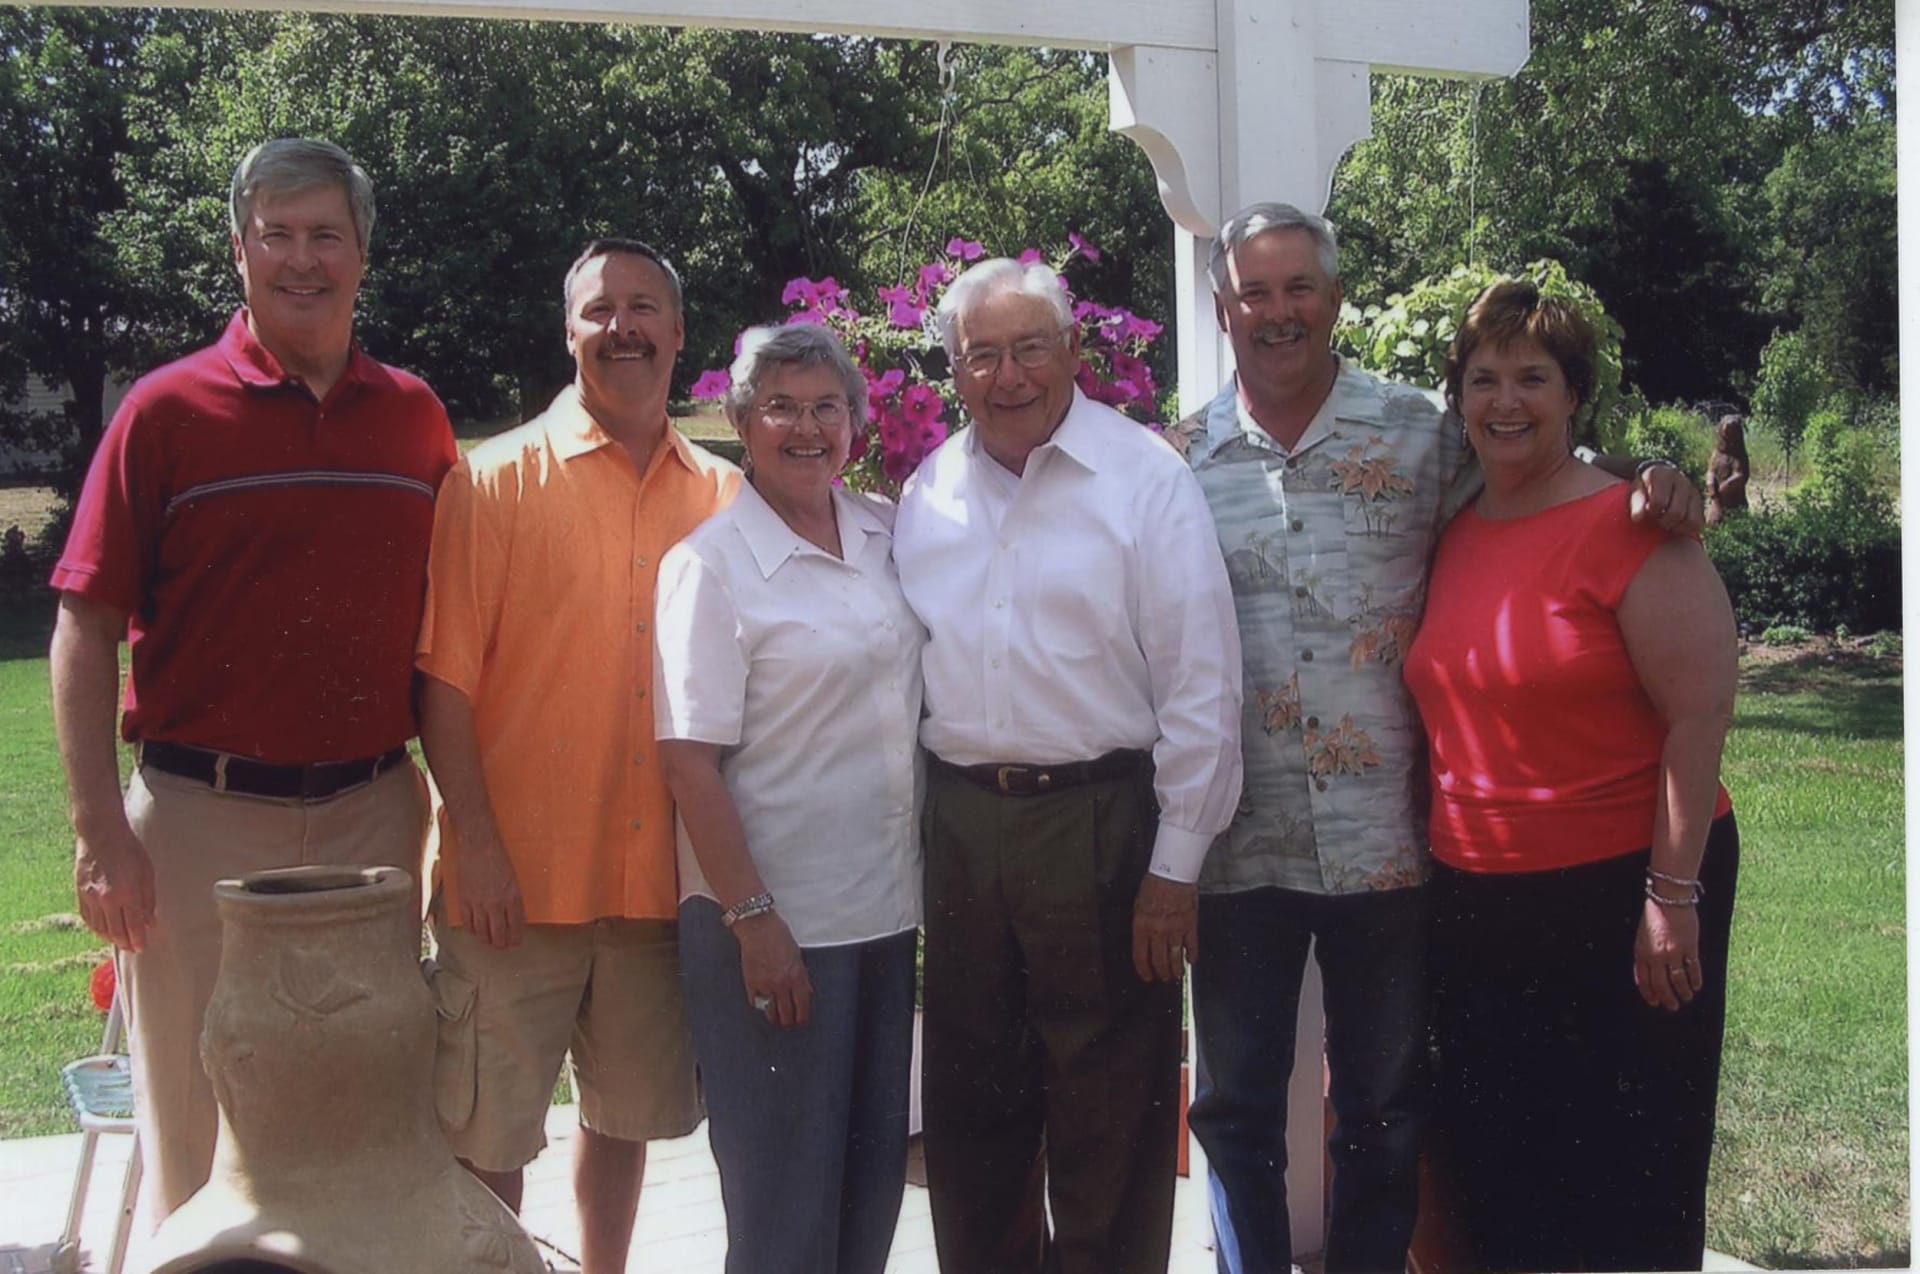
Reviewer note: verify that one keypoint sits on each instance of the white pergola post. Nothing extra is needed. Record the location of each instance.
(1233, 101)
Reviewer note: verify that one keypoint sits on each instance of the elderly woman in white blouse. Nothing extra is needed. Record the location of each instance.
(787, 698)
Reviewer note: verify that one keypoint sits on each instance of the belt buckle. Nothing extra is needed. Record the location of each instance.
(313, 786)
(1000, 779)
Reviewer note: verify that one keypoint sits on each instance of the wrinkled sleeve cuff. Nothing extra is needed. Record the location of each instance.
(1178, 853)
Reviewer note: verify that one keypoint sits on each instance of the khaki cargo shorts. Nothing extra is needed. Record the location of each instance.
(606, 994)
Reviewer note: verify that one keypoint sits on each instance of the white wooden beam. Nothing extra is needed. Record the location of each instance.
(1469, 38)
(1082, 24)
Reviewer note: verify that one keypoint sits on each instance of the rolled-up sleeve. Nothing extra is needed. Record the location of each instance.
(1191, 641)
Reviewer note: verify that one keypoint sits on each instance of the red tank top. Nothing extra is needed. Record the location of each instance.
(1544, 748)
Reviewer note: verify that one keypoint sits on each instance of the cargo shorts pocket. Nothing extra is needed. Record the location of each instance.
(456, 1049)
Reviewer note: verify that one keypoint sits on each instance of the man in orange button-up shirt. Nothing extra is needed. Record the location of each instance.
(556, 828)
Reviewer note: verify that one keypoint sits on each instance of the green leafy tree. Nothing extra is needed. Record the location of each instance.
(1790, 387)
(72, 84)
(1018, 154)
(1834, 241)
(1680, 289)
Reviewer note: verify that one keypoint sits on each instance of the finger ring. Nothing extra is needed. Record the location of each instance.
(1674, 968)
(761, 1004)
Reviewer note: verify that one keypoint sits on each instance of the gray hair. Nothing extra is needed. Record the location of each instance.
(765, 349)
(289, 165)
(1258, 219)
(994, 275)
(631, 247)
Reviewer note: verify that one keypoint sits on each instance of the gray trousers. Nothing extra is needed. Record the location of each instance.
(1051, 1070)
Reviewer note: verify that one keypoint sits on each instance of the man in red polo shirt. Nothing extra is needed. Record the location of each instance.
(255, 526)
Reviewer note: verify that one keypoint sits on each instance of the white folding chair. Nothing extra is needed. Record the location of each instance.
(100, 1090)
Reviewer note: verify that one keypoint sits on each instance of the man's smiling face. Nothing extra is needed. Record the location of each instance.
(300, 263)
(1279, 306)
(1016, 407)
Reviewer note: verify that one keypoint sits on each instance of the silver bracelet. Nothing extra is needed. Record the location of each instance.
(1693, 900)
(758, 905)
(1693, 884)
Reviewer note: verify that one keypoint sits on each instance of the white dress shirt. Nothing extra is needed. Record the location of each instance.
(1079, 609)
(806, 669)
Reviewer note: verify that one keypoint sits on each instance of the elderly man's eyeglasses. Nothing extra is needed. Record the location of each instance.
(785, 413)
(1029, 353)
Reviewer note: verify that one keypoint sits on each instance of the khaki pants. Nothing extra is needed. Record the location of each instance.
(195, 837)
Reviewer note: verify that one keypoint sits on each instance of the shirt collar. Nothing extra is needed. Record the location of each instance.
(1077, 436)
(1354, 394)
(573, 432)
(257, 368)
(773, 543)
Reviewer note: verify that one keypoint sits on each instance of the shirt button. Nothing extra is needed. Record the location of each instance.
(634, 824)
(888, 625)
(996, 663)
(639, 758)
(1306, 656)
(639, 561)
(641, 693)
(640, 627)
(999, 603)
(1296, 525)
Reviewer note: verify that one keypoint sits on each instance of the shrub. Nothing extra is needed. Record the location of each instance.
(1785, 635)
(1827, 557)
(1672, 433)
(1406, 339)
(1884, 645)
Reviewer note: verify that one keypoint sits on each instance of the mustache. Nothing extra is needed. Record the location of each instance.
(610, 348)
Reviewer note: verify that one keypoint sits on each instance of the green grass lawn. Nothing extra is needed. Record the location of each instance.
(1811, 1168)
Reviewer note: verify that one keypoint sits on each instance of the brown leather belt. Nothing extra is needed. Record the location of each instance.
(1040, 780)
(225, 772)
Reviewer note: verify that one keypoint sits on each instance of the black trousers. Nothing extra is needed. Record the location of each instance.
(1572, 1123)
(1051, 1071)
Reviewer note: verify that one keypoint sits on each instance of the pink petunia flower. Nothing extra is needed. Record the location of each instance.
(934, 274)
(710, 386)
(904, 309)
(1084, 248)
(965, 249)
(885, 385)
(1030, 256)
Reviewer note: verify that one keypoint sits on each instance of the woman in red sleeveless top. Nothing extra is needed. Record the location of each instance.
(1576, 675)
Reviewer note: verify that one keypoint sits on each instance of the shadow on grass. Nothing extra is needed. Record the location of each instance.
(1826, 695)
(26, 624)
(1885, 1258)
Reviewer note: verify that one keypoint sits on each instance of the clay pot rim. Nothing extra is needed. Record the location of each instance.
(324, 892)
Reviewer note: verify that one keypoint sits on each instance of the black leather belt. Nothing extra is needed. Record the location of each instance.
(1039, 780)
(225, 772)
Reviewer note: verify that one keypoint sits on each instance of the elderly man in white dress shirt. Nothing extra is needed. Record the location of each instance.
(1083, 715)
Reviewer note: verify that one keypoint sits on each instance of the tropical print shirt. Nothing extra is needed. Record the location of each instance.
(1327, 547)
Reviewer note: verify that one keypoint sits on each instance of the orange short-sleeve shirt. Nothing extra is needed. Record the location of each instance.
(546, 544)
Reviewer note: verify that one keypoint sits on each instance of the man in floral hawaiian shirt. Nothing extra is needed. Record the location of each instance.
(1329, 487)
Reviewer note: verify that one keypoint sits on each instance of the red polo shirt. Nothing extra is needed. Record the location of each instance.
(270, 550)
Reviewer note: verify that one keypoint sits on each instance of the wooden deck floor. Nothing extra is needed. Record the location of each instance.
(681, 1228)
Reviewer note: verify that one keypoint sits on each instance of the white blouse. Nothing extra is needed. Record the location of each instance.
(806, 669)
